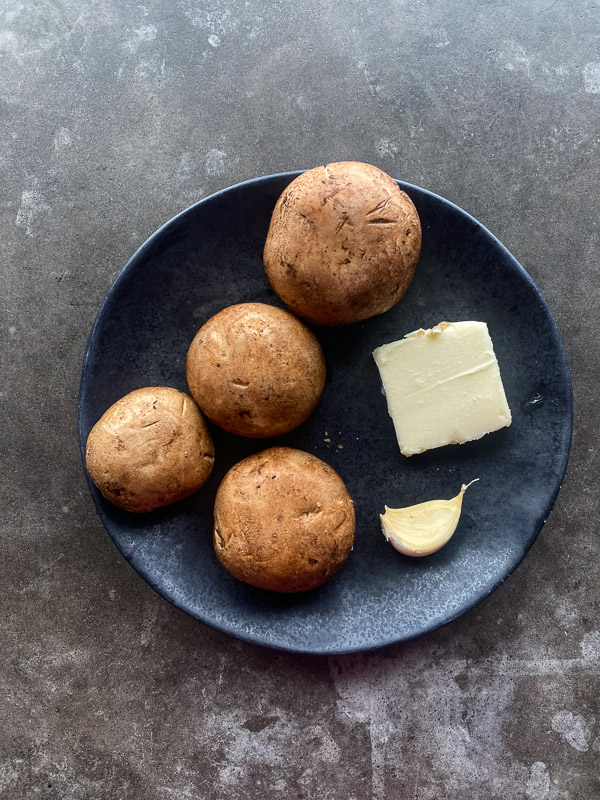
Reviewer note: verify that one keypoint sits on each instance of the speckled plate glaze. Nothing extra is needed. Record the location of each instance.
(210, 256)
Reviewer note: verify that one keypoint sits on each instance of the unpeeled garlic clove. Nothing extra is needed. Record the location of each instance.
(423, 529)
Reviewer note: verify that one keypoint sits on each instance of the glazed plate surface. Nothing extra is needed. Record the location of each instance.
(209, 257)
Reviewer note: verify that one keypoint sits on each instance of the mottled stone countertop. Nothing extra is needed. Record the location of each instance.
(114, 116)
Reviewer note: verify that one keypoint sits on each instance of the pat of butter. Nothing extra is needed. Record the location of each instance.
(443, 386)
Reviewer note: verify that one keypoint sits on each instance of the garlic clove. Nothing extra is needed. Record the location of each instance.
(423, 529)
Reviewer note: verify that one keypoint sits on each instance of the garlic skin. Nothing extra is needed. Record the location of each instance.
(425, 528)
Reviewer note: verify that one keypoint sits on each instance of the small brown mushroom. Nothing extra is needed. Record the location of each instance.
(150, 449)
(343, 243)
(284, 521)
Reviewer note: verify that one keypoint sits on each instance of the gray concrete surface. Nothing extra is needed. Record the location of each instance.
(114, 116)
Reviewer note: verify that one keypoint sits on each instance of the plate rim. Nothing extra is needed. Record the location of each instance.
(258, 639)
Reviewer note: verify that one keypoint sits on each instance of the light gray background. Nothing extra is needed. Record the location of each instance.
(114, 116)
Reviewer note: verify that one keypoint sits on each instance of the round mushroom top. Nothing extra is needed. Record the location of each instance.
(343, 243)
(150, 449)
(284, 520)
(256, 370)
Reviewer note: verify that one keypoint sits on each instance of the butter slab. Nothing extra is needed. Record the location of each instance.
(443, 386)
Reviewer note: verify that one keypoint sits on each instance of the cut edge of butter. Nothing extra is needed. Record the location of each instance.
(443, 386)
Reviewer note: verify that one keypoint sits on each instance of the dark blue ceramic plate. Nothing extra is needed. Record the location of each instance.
(209, 257)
